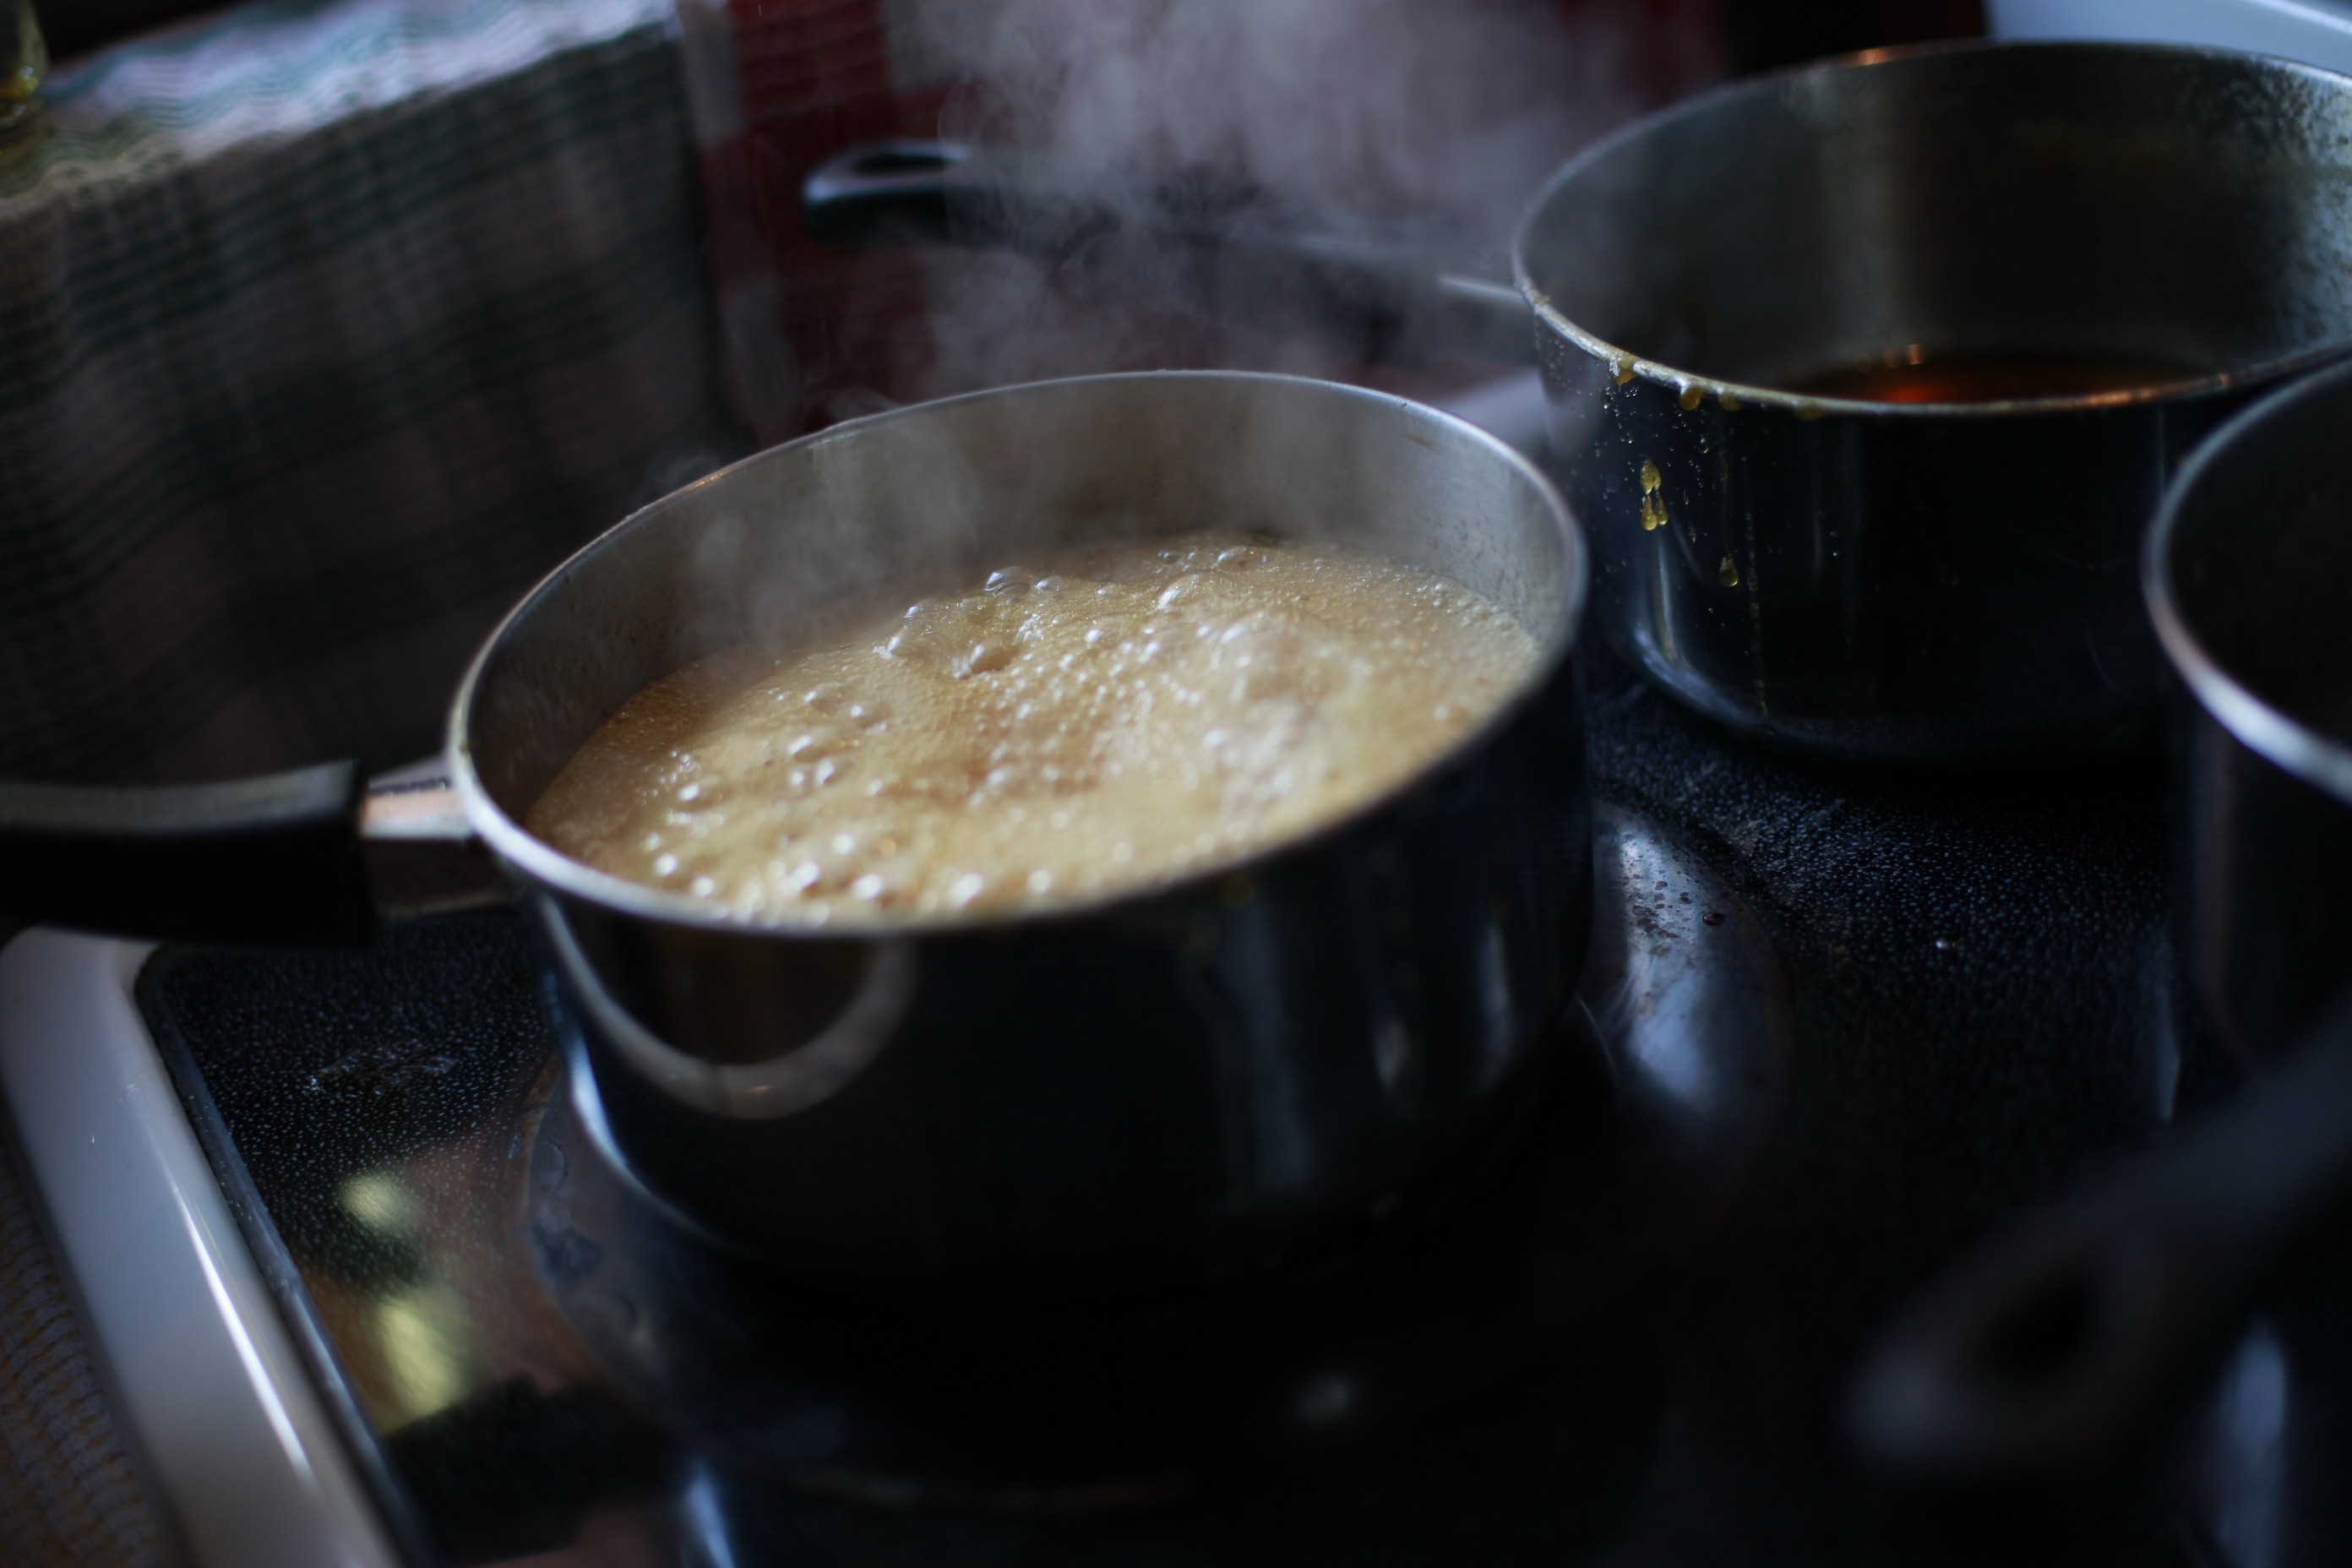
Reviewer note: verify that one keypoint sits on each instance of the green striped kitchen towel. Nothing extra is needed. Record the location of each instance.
(324, 329)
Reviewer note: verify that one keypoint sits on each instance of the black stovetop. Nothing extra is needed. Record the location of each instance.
(1842, 1022)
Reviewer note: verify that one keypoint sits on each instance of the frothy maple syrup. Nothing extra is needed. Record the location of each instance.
(1082, 726)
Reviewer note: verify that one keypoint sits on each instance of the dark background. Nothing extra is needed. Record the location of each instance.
(1759, 35)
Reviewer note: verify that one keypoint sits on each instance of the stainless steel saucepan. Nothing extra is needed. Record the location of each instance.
(1933, 581)
(1119, 1100)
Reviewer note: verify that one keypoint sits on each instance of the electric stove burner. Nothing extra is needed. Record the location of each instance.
(764, 1373)
(1465, 1315)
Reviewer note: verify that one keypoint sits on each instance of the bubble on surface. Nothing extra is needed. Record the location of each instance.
(1066, 729)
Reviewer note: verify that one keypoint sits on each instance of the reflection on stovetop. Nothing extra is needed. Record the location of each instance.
(1839, 1024)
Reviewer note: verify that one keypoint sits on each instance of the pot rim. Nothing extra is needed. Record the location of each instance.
(2303, 752)
(1627, 365)
(548, 868)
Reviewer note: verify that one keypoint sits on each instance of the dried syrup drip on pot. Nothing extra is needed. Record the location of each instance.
(1074, 726)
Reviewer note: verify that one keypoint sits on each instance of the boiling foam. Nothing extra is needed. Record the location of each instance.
(1079, 726)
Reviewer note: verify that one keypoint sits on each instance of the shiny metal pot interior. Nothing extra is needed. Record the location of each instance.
(1935, 581)
(1121, 1099)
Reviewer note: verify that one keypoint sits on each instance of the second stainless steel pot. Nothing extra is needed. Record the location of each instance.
(1932, 582)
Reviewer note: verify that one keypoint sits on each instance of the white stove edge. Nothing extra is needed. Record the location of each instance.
(204, 1371)
(2316, 31)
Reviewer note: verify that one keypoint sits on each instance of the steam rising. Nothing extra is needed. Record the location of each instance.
(1373, 105)
(1448, 113)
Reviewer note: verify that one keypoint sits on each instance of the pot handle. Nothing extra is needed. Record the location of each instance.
(1373, 295)
(307, 858)
(2064, 1352)
(905, 192)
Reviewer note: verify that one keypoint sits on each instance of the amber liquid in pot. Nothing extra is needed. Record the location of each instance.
(1992, 378)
